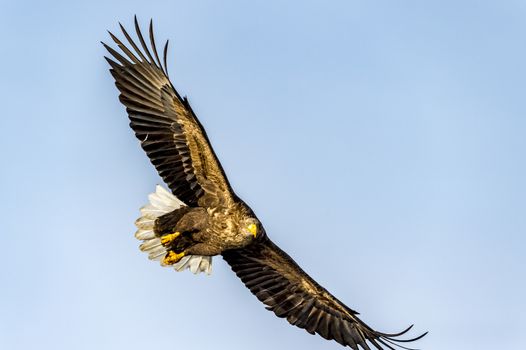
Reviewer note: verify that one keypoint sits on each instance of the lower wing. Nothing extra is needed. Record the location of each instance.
(277, 281)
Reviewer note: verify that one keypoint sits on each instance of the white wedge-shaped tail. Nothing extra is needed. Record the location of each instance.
(162, 202)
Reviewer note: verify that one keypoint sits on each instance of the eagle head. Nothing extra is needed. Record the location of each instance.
(251, 227)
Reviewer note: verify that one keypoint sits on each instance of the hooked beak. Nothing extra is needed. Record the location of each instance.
(252, 228)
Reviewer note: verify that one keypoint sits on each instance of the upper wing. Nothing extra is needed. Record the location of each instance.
(165, 124)
(276, 280)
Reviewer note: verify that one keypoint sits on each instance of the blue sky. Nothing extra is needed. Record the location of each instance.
(381, 143)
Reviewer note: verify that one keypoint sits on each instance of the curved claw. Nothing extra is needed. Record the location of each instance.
(169, 238)
(172, 258)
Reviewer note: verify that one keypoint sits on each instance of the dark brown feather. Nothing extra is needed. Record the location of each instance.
(290, 293)
(168, 129)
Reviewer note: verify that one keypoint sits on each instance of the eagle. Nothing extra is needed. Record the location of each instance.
(203, 217)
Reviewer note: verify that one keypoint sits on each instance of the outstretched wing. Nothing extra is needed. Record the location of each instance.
(165, 124)
(276, 280)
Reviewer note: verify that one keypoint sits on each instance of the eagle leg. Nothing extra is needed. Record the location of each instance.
(176, 245)
(172, 257)
(168, 239)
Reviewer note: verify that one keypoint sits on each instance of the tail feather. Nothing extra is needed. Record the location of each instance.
(145, 223)
(162, 202)
(149, 211)
(144, 234)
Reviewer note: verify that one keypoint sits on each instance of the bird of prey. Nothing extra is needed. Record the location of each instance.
(203, 217)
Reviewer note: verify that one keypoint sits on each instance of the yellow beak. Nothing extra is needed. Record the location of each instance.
(253, 229)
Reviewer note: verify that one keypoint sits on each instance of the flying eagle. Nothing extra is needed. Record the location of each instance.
(203, 217)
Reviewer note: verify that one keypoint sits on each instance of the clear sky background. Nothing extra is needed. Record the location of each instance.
(381, 143)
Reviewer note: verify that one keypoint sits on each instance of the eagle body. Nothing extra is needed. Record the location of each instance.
(206, 232)
(201, 216)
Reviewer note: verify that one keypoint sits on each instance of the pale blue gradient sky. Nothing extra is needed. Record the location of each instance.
(382, 144)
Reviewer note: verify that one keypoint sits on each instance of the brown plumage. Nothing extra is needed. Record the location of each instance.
(214, 219)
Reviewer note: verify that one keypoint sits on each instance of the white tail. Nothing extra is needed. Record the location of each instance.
(162, 202)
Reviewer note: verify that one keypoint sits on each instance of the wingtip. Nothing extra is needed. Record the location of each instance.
(392, 338)
(412, 339)
(122, 27)
(113, 37)
(392, 335)
(150, 27)
(135, 22)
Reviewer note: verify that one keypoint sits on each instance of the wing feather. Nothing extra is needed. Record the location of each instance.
(290, 293)
(168, 129)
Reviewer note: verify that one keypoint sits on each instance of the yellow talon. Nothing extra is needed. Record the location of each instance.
(169, 238)
(172, 258)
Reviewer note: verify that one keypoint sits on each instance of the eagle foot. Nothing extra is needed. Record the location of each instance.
(167, 240)
(172, 257)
